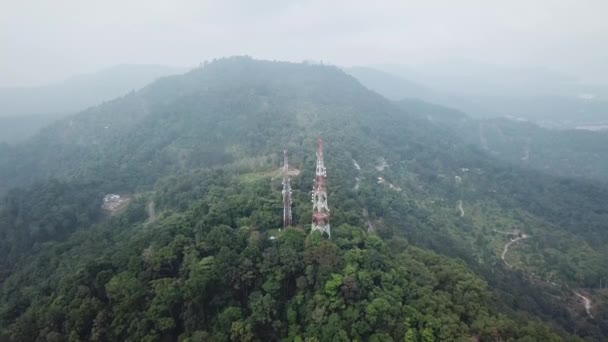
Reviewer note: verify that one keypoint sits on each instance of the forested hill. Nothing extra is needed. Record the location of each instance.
(567, 153)
(414, 254)
(25, 110)
(576, 154)
(80, 91)
(506, 132)
(213, 115)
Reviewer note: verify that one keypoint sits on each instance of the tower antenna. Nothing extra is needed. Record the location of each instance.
(320, 210)
(286, 192)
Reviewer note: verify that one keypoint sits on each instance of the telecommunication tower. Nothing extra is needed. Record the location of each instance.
(286, 193)
(320, 211)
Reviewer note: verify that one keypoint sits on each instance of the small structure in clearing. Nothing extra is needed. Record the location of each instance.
(113, 203)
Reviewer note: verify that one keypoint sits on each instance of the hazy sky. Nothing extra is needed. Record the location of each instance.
(45, 41)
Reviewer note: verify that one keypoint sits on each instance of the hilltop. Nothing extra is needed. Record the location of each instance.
(200, 149)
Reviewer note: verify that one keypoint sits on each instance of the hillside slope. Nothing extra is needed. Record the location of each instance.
(576, 154)
(388, 85)
(25, 110)
(566, 153)
(544, 98)
(203, 148)
(79, 92)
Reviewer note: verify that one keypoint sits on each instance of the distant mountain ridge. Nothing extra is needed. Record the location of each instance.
(388, 85)
(81, 91)
(24, 110)
(546, 97)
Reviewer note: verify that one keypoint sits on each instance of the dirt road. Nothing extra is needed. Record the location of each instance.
(151, 210)
(586, 302)
(506, 249)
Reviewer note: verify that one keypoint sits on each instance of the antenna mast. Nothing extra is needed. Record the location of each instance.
(286, 193)
(320, 210)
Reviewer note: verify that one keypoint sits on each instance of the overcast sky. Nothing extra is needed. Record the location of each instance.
(46, 41)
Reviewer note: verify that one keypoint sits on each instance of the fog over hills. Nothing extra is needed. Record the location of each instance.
(486, 91)
(304, 171)
(422, 220)
(469, 77)
(389, 85)
(24, 110)
(510, 128)
(81, 91)
(550, 99)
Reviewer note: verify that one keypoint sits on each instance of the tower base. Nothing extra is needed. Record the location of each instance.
(321, 228)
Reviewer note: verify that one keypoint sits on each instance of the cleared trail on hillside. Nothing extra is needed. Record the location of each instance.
(506, 233)
(370, 226)
(151, 210)
(506, 248)
(357, 179)
(586, 302)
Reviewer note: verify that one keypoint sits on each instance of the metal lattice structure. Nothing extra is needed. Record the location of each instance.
(286, 193)
(320, 210)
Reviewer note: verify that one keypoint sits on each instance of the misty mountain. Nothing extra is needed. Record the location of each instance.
(559, 112)
(390, 86)
(18, 128)
(466, 77)
(24, 110)
(417, 213)
(487, 91)
(79, 92)
(565, 153)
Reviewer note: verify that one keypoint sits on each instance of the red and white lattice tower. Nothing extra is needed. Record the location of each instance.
(286, 193)
(320, 211)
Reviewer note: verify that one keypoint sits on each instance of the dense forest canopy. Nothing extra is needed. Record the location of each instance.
(191, 257)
